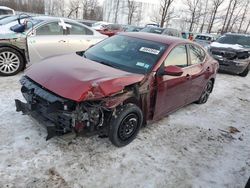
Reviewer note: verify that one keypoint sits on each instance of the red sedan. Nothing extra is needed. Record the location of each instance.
(118, 85)
(110, 29)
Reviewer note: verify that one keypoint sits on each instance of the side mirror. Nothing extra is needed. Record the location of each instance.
(173, 70)
(19, 28)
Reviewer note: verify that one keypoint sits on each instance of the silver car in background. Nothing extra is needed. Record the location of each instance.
(204, 39)
(42, 37)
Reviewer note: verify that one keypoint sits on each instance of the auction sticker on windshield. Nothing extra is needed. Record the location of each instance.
(149, 50)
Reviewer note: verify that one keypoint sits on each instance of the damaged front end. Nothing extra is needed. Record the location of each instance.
(60, 115)
(231, 60)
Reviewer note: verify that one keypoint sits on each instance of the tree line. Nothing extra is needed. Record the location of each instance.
(33, 6)
(204, 15)
(208, 16)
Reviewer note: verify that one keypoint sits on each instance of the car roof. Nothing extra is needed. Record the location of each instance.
(156, 37)
(52, 18)
(237, 34)
(204, 34)
(5, 8)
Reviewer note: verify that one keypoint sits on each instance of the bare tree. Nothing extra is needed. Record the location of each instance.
(139, 13)
(117, 6)
(192, 9)
(35, 6)
(91, 10)
(236, 19)
(226, 17)
(248, 25)
(165, 11)
(132, 8)
(216, 5)
(204, 16)
(231, 15)
(244, 15)
(74, 6)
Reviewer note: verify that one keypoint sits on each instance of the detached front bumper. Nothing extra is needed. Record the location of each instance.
(46, 108)
(50, 121)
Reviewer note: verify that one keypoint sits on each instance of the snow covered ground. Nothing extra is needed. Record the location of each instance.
(186, 149)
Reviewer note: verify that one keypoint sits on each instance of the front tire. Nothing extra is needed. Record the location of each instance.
(11, 61)
(125, 124)
(205, 94)
(245, 72)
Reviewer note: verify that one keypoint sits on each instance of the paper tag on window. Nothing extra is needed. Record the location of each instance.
(140, 64)
(149, 50)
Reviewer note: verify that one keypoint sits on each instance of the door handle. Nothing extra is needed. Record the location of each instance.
(62, 41)
(188, 77)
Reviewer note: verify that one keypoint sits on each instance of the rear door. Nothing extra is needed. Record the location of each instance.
(197, 69)
(80, 37)
(172, 91)
(47, 40)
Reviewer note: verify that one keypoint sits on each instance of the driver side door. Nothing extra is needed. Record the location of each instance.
(48, 40)
(172, 91)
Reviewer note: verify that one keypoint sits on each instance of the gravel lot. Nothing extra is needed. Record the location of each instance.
(190, 148)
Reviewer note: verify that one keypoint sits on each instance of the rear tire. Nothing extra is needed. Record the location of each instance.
(245, 72)
(11, 62)
(125, 124)
(205, 94)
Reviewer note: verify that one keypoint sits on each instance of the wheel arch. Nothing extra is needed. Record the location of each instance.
(213, 80)
(21, 51)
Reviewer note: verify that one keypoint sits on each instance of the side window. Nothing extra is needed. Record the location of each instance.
(79, 30)
(50, 29)
(197, 55)
(178, 57)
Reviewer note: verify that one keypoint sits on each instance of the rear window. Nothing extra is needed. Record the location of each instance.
(202, 37)
(3, 12)
(79, 30)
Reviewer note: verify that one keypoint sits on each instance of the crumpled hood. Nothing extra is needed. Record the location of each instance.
(235, 47)
(77, 78)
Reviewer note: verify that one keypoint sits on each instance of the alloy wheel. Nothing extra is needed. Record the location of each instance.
(9, 62)
(206, 92)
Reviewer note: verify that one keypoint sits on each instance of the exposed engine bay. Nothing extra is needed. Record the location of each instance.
(66, 115)
(61, 116)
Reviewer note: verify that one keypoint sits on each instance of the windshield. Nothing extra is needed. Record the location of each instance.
(152, 30)
(127, 53)
(5, 11)
(243, 40)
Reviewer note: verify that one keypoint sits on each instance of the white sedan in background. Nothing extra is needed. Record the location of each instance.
(40, 37)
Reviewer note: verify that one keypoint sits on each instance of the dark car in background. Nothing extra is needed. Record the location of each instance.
(232, 51)
(118, 85)
(131, 28)
(162, 31)
(87, 22)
